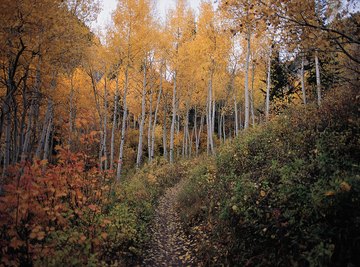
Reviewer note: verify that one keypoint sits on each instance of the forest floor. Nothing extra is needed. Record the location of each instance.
(169, 245)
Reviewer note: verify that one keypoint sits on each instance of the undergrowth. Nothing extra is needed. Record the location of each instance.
(282, 194)
(61, 215)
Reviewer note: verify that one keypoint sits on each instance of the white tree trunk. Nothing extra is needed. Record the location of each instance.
(236, 119)
(123, 126)
(302, 76)
(223, 127)
(112, 142)
(47, 126)
(142, 122)
(165, 153)
(318, 81)
(150, 121)
(210, 116)
(172, 129)
(252, 100)
(155, 118)
(268, 83)
(48, 137)
(105, 127)
(247, 62)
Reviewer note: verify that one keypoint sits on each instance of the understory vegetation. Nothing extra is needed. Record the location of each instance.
(282, 194)
(63, 215)
(285, 193)
(201, 133)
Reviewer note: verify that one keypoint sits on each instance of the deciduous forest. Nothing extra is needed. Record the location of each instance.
(223, 136)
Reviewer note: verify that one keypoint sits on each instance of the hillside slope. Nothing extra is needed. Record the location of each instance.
(283, 194)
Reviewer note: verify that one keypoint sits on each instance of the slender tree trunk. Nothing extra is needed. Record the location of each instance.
(183, 143)
(208, 121)
(303, 80)
(268, 83)
(318, 81)
(112, 143)
(23, 117)
(186, 131)
(123, 126)
(47, 125)
(150, 121)
(29, 130)
(236, 119)
(240, 118)
(211, 116)
(105, 155)
(7, 137)
(191, 142)
(155, 118)
(247, 62)
(44, 131)
(224, 129)
(219, 125)
(165, 132)
(48, 137)
(15, 133)
(72, 111)
(252, 95)
(172, 129)
(195, 131)
(202, 119)
(142, 121)
(178, 132)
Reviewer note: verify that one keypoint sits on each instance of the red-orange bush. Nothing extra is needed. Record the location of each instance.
(40, 201)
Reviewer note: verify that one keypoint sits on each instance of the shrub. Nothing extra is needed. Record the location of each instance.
(287, 193)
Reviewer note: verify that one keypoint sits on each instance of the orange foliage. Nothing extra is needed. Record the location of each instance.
(40, 200)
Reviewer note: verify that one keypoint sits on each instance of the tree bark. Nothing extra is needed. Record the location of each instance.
(105, 155)
(318, 81)
(268, 83)
(165, 153)
(210, 115)
(302, 76)
(142, 121)
(123, 126)
(112, 142)
(236, 119)
(172, 129)
(247, 62)
(155, 117)
(252, 100)
(150, 121)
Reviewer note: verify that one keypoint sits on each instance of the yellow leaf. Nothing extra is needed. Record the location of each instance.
(344, 186)
(104, 235)
(44, 162)
(329, 193)
(262, 193)
(151, 178)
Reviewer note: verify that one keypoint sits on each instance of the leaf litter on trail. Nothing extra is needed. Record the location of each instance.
(169, 245)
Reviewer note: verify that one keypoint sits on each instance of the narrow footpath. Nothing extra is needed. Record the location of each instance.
(169, 246)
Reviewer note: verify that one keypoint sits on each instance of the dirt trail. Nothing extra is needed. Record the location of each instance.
(170, 246)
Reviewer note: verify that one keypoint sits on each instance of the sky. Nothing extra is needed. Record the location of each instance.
(108, 6)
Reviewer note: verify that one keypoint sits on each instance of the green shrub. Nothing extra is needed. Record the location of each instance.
(287, 193)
